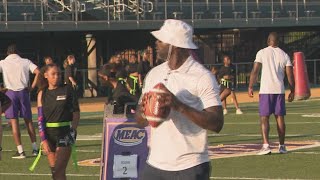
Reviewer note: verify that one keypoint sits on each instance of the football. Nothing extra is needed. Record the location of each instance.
(154, 112)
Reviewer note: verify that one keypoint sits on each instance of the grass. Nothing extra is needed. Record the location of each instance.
(302, 164)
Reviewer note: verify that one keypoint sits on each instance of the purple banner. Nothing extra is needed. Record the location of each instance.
(122, 136)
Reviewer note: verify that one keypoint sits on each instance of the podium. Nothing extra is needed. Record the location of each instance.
(124, 146)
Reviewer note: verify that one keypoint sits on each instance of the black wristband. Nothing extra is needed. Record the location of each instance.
(0, 148)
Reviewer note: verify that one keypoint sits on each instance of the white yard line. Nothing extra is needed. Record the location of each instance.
(98, 137)
(259, 135)
(306, 153)
(36, 174)
(251, 178)
(78, 150)
(79, 138)
(257, 123)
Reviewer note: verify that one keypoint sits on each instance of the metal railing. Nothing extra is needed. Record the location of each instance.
(144, 10)
(243, 71)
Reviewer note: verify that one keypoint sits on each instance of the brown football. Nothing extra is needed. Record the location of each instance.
(154, 114)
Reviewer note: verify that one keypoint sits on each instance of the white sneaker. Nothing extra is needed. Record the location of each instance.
(238, 111)
(225, 111)
(18, 155)
(283, 149)
(264, 151)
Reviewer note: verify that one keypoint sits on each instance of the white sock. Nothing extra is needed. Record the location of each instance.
(265, 145)
(34, 146)
(282, 145)
(20, 149)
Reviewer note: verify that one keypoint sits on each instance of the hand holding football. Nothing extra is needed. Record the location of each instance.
(155, 109)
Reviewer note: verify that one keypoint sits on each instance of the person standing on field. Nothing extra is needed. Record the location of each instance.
(275, 64)
(179, 146)
(15, 70)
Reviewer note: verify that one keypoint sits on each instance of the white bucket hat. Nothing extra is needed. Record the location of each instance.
(176, 33)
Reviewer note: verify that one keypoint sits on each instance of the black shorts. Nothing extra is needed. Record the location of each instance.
(59, 137)
(199, 172)
(227, 85)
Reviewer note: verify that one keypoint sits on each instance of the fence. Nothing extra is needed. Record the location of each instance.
(243, 71)
(120, 10)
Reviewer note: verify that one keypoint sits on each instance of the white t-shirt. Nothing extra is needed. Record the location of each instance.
(15, 72)
(178, 143)
(274, 62)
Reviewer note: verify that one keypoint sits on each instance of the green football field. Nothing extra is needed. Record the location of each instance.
(303, 125)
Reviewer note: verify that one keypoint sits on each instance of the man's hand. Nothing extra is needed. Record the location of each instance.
(170, 100)
(139, 115)
(291, 97)
(250, 92)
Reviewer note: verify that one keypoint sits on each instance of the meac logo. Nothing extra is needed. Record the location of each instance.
(129, 136)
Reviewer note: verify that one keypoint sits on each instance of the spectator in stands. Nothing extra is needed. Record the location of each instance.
(275, 64)
(143, 67)
(48, 60)
(227, 77)
(133, 75)
(121, 95)
(15, 70)
(70, 71)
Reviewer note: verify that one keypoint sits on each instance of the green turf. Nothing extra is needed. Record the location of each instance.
(302, 164)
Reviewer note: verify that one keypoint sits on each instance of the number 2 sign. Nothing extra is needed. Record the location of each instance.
(125, 166)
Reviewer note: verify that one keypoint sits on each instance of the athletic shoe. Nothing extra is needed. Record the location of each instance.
(264, 151)
(225, 111)
(238, 111)
(18, 155)
(35, 152)
(283, 149)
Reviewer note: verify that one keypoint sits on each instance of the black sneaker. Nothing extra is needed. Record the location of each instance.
(35, 152)
(18, 155)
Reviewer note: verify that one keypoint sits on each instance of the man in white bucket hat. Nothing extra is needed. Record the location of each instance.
(178, 146)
